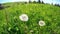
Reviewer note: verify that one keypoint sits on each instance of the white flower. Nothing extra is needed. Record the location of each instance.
(23, 17)
(41, 23)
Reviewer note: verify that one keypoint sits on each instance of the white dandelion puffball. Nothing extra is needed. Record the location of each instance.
(41, 23)
(23, 17)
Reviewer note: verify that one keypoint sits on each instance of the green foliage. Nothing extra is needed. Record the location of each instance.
(11, 24)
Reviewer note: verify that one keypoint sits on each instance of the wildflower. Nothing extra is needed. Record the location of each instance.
(23, 17)
(41, 23)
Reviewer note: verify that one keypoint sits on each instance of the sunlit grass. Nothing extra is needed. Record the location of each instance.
(10, 22)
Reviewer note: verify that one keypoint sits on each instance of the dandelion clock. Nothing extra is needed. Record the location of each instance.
(23, 17)
(41, 23)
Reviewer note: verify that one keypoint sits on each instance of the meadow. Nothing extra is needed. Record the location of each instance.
(11, 24)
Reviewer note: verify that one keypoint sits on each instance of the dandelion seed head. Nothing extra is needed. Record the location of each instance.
(23, 17)
(41, 23)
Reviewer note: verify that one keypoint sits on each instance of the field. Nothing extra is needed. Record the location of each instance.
(11, 24)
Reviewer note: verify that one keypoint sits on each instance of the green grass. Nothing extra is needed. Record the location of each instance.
(11, 24)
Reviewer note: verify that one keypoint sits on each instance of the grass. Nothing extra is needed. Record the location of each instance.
(11, 24)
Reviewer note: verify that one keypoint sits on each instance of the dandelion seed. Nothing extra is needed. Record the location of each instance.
(41, 23)
(23, 17)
